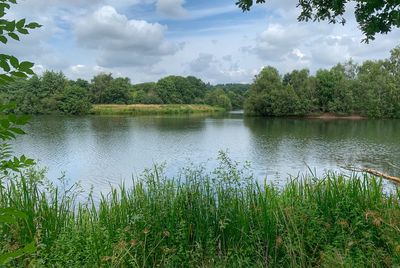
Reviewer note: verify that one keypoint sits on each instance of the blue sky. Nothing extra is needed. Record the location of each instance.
(148, 39)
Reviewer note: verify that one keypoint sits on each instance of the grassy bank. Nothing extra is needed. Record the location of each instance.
(153, 109)
(219, 219)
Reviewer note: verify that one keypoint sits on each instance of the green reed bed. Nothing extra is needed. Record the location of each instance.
(218, 219)
(154, 109)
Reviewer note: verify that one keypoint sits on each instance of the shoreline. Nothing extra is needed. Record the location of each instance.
(153, 109)
(332, 116)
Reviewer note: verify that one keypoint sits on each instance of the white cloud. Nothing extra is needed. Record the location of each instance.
(120, 41)
(125, 37)
(172, 8)
(278, 40)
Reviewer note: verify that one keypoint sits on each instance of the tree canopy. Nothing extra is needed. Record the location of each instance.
(370, 89)
(373, 17)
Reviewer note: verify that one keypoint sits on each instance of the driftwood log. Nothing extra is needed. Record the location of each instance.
(375, 173)
(382, 175)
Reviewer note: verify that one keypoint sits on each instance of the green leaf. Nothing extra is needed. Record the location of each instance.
(19, 74)
(14, 213)
(12, 117)
(23, 30)
(14, 62)
(4, 65)
(21, 23)
(7, 257)
(3, 39)
(5, 123)
(8, 219)
(29, 71)
(4, 6)
(17, 131)
(22, 120)
(33, 25)
(6, 78)
(13, 36)
(25, 65)
(10, 26)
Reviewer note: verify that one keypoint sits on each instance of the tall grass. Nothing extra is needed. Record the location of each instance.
(153, 109)
(220, 219)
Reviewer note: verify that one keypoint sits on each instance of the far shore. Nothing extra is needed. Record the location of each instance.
(153, 109)
(332, 116)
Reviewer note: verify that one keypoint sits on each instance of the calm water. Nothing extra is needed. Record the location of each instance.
(101, 151)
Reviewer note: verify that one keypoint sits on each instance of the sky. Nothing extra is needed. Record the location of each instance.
(146, 40)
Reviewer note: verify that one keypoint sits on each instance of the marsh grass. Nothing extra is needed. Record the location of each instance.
(153, 109)
(220, 219)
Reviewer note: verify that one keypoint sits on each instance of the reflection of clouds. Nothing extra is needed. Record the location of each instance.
(100, 151)
(290, 145)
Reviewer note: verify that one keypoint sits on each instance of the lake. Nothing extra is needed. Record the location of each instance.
(104, 150)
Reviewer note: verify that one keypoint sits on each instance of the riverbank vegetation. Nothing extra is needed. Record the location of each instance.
(218, 219)
(53, 93)
(371, 89)
(153, 109)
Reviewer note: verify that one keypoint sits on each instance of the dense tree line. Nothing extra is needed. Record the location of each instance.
(190, 90)
(371, 89)
(52, 92)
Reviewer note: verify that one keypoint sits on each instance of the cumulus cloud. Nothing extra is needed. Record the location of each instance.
(120, 41)
(172, 8)
(84, 37)
(210, 68)
(277, 41)
(202, 62)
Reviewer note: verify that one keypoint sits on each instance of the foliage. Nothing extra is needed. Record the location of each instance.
(224, 218)
(180, 90)
(146, 93)
(218, 97)
(371, 89)
(236, 93)
(189, 90)
(106, 90)
(52, 93)
(373, 17)
(154, 109)
(10, 124)
(75, 101)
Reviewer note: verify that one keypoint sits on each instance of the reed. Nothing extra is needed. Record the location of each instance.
(223, 218)
(153, 109)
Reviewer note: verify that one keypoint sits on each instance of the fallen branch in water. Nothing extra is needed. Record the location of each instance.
(393, 165)
(375, 173)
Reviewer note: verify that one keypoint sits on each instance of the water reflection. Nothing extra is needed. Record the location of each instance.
(327, 144)
(100, 150)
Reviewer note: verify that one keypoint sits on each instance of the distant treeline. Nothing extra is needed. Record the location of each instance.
(52, 93)
(371, 89)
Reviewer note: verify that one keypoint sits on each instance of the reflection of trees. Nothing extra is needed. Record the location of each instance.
(177, 123)
(372, 143)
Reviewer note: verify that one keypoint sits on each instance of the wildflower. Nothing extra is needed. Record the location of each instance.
(377, 222)
(343, 223)
(122, 244)
(106, 258)
(166, 233)
(146, 231)
(279, 241)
